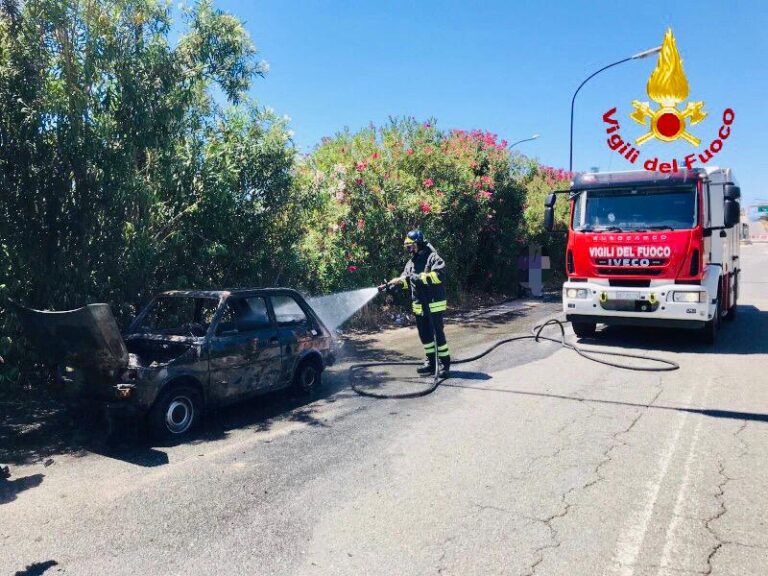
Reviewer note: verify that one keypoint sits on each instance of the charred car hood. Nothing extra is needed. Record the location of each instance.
(86, 337)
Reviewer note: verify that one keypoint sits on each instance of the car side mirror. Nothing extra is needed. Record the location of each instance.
(550, 200)
(732, 213)
(732, 192)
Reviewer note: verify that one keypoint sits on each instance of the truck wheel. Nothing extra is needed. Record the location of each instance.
(176, 413)
(712, 327)
(308, 375)
(584, 329)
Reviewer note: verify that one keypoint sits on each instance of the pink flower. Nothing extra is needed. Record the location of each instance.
(425, 207)
(351, 268)
(409, 151)
(375, 156)
(439, 194)
(361, 224)
(360, 166)
(485, 194)
(428, 182)
(359, 181)
(427, 125)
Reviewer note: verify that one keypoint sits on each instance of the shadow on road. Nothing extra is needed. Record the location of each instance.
(737, 337)
(464, 375)
(37, 569)
(711, 412)
(10, 488)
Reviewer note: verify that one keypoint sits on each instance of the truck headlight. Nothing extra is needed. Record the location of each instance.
(576, 293)
(688, 296)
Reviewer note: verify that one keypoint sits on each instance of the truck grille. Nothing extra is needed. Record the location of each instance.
(630, 271)
(629, 283)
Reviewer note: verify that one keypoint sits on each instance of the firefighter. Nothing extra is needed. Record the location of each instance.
(424, 276)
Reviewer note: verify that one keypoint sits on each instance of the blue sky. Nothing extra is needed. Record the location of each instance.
(511, 67)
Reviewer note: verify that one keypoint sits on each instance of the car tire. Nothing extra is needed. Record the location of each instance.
(176, 414)
(712, 327)
(584, 329)
(308, 375)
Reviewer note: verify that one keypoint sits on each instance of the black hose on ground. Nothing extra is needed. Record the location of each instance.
(666, 365)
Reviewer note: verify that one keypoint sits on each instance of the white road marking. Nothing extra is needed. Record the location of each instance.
(682, 494)
(631, 539)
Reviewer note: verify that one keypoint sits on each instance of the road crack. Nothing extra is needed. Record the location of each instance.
(555, 541)
(722, 508)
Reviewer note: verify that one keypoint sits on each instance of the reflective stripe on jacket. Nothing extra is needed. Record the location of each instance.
(424, 274)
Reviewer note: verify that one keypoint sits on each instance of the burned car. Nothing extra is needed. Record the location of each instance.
(186, 352)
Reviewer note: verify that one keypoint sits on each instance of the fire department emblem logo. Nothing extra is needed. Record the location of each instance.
(668, 86)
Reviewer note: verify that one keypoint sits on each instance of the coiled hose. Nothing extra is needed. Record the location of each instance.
(665, 365)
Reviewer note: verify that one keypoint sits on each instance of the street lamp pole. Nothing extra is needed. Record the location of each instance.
(523, 140)
(638, 56)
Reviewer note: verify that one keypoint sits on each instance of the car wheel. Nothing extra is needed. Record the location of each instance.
(307, 376)
(176, 413)
(584, 329)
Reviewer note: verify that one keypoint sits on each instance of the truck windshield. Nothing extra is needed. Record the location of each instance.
(635, 210)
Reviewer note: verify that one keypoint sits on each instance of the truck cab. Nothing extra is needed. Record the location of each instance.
(652, 249)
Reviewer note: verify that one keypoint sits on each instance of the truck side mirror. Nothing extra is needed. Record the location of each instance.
(732, 192)
(549, 218)
(549, 212)
(732, 213)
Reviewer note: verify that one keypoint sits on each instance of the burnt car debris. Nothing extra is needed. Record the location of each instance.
(187, 351)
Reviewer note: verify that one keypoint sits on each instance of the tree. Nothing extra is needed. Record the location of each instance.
(120, 172)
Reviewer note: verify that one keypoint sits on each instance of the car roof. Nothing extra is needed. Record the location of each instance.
(228, 292)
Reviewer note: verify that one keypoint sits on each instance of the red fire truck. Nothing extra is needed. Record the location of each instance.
(652, 249)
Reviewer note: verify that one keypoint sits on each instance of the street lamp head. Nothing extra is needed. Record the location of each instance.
(646, 53)
(523, 140)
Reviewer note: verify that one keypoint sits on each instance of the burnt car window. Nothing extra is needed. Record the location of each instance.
(227, 323)
(287, 310)
(259, 315)
(244, 315)
(179, 315)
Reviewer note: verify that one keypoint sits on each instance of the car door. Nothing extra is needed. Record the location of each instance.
(244, 351)
(295, 331)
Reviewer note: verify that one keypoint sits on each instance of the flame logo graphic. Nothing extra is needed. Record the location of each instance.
(668, 86)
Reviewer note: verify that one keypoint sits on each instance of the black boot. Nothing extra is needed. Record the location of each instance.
(445, 367)
(428, 367)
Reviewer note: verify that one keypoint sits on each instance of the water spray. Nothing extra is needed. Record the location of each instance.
(335, 309)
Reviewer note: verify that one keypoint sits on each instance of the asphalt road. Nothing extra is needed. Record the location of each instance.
(530, 461)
